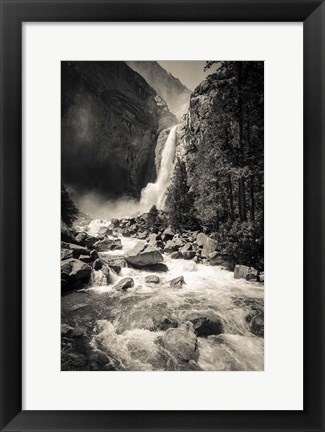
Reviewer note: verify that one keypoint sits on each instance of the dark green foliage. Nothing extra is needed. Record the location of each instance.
(69, 210)
(180, 201)
(153, 220)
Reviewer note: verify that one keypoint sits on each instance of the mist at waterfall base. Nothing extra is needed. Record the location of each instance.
(97, 207)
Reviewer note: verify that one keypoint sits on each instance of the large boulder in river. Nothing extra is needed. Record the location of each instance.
(143, 255)
(124, 284)
(84, 239)
(108, 244)
(181, 342)
(218, 259)
(245, 272)
(204, 326)
(152, 279)
(74, 272)
(189, 255)
(76, 249)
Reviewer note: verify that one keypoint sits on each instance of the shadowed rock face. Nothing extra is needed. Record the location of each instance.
(110, 121)
(175, 94)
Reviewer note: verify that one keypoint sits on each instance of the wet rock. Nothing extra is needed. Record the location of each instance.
(204, 327)
(98, 264)
(94, 254)
(209, 246)
(156, 268)
(124, 284)
(189, 255)
(218, 259)
(143, 255)
(261, 277)
(142, 235)
(115, 261)
(85, 258)
(176, 255)
(66, 254)
(181, 342)
(168, 234)
(74, 272)
(67, 234)
(245, 272)
(115, 222)
(86, 240)
(201, 239)
(187, 247)
(177, 282)
(104, 231)
(256, 323)
(77, 250)
(108, 244)
(152, 279)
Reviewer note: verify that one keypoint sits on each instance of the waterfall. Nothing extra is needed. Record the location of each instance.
(156, 193)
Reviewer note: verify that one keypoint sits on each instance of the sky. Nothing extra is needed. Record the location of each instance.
(190, 73)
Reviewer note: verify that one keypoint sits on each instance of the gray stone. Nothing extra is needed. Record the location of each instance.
(152, 279)
(124, 284)
(177, 282)
(143, 255)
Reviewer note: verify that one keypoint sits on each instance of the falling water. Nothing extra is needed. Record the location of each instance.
(155, 193)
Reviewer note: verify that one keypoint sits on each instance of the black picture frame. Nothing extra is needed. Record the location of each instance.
(13, 14)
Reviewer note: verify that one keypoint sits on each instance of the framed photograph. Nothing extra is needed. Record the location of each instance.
(162, 234)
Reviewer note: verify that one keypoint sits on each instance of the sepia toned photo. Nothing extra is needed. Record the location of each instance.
(162, 216)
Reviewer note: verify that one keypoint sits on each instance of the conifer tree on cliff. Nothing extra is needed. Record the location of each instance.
(180, 202)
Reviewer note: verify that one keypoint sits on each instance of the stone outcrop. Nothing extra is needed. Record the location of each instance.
(110, 122)
(175, 94)
(143, 255)
(181, 342)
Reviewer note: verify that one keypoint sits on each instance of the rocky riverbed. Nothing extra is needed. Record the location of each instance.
(139, 300)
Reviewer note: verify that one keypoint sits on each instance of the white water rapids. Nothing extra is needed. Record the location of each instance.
(130, 337)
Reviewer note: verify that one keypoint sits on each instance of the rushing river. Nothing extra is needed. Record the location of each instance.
(126, 326)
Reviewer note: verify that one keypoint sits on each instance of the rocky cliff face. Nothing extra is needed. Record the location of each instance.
(110, 122)
(166, 85)
(196, 124)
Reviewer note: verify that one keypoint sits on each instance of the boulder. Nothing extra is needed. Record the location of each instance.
(98, 264)
(85, 258)
(143, 255)
(181, 342)
(124, 284)
(86, 240)
(189, 255)
(245, 272)
(67, 234)
(176, 255)
(256, 322)
(105, 231)
(209, 246)
(108, 244)
(94, 254)
(115, 222)
(160, 267)
(218, 259)
(142, 235)
(177, 282)
(168, 234)
(201, 239)
(152, 279)
(66, 253)
(261, 277)
(204, 326)
(74, 272)
(187, 247)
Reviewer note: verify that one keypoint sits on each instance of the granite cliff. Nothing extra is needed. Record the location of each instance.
(175, 94)
(110, 122)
